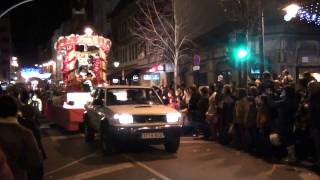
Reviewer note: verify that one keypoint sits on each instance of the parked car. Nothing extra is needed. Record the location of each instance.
(121, 114)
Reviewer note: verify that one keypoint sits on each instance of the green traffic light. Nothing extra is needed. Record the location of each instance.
(242, 53)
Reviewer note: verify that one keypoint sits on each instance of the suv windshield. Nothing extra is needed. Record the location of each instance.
(132, 96)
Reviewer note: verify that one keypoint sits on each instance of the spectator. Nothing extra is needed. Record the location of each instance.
(250, 121)
(5, 171)
(193, 108)
(241, 107)
(227, 113)
(212, 116)
(29, 119)
(17, 142)
(203, 105)
(314, 109)
(287, 106)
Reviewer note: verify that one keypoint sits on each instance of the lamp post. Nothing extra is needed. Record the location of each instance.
(14, 6)
(261, 39)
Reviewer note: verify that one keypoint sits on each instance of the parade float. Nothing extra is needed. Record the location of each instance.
(83, 66)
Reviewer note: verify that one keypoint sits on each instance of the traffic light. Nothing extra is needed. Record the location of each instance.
(241, 53)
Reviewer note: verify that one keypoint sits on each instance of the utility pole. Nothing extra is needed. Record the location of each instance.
(261, 39)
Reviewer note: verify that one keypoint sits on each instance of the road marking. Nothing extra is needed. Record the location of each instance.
(70, 164)
(55, 138)
(99, 172)
(194, 142)
(144, 166)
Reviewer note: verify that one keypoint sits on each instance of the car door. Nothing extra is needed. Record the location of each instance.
(98, 105)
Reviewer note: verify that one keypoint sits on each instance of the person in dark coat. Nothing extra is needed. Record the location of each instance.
(227, 114)
(284, 124)
(29, 119)
(17, 142)
(5, 171)
(193, 108)
(203, 105)
(314, 115)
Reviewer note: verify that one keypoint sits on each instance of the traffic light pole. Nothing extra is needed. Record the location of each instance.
(261, 39)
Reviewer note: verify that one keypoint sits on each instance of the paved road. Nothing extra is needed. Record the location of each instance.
(71, 158)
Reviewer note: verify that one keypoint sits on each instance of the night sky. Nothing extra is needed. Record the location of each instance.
(33, 24)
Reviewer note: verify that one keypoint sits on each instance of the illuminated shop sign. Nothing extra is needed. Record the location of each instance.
(150, 77)
(157, 68)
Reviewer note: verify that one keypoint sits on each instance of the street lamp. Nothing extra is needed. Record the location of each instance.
(292, 11)
(88, 31)
(14, 6)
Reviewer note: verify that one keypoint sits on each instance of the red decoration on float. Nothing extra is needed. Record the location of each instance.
(77, 64)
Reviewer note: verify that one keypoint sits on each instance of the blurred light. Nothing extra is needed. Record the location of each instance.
(88, 31)
(160, 68)
(60, 57)
(36, 65)
(292, 11)
(287, 17)
(14, 58)
(14, 63)
(116, 64)
(242, 53)
(152, 70)
(79, 99)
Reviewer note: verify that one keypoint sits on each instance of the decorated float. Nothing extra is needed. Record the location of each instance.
(83, 66)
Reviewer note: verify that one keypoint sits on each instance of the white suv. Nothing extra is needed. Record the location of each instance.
(131, 113)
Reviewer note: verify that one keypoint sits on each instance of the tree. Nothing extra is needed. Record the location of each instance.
(156, 25)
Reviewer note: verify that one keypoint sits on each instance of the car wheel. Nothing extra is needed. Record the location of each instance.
(88, 132)
(172, 144)
(107, 143)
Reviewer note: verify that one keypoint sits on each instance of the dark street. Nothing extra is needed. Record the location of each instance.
(71, 158)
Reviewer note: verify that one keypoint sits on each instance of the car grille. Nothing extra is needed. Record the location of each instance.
(149, 118)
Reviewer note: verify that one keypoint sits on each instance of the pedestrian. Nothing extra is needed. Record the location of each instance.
(284, 124)
(264, 126)
(212, 115)
(226, 116)
(314, 109)
(203, 105)
(5, 171)
(241, 107)
(29, 119)
(17, 142)
(193, 109)
(250, 123)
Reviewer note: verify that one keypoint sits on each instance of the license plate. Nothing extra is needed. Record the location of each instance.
(154, 135)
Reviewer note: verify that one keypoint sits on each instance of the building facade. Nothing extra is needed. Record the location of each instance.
(137, 64)
(5, 49)
(287, 45)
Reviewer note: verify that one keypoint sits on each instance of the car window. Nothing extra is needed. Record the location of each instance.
(132, 96)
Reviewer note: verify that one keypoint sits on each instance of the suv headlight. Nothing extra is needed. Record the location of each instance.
(124, 118)
(173, 117)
